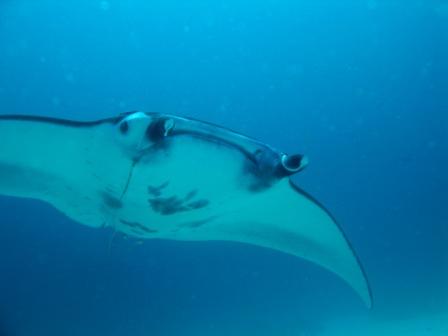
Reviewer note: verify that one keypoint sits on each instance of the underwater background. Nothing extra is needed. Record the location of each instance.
(360, 87)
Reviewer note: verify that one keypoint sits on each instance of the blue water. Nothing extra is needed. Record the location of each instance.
(361, 87)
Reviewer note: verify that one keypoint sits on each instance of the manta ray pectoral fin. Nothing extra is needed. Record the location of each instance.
(75, 166)
(287, 219)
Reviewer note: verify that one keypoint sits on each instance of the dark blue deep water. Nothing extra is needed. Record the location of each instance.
(359, 86)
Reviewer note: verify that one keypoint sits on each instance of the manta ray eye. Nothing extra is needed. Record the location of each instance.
(124, 127)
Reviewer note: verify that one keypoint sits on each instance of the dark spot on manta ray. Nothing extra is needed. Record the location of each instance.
(111, 201)
(190, 195)
(167, 205)
(124, 127)
(198, 223)
(157, 190)
(172, 205)
(198, 204)
(136, 225)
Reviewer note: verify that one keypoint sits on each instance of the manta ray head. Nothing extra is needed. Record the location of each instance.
(138, 132)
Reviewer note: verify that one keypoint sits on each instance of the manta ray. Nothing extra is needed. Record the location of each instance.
(153, 175)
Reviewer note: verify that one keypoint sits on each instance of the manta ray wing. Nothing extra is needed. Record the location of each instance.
(198, 189)
(75, 166)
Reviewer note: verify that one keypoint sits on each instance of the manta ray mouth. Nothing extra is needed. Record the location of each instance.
(294, 163)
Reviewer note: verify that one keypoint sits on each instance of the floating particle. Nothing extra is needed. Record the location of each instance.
(105, 5)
